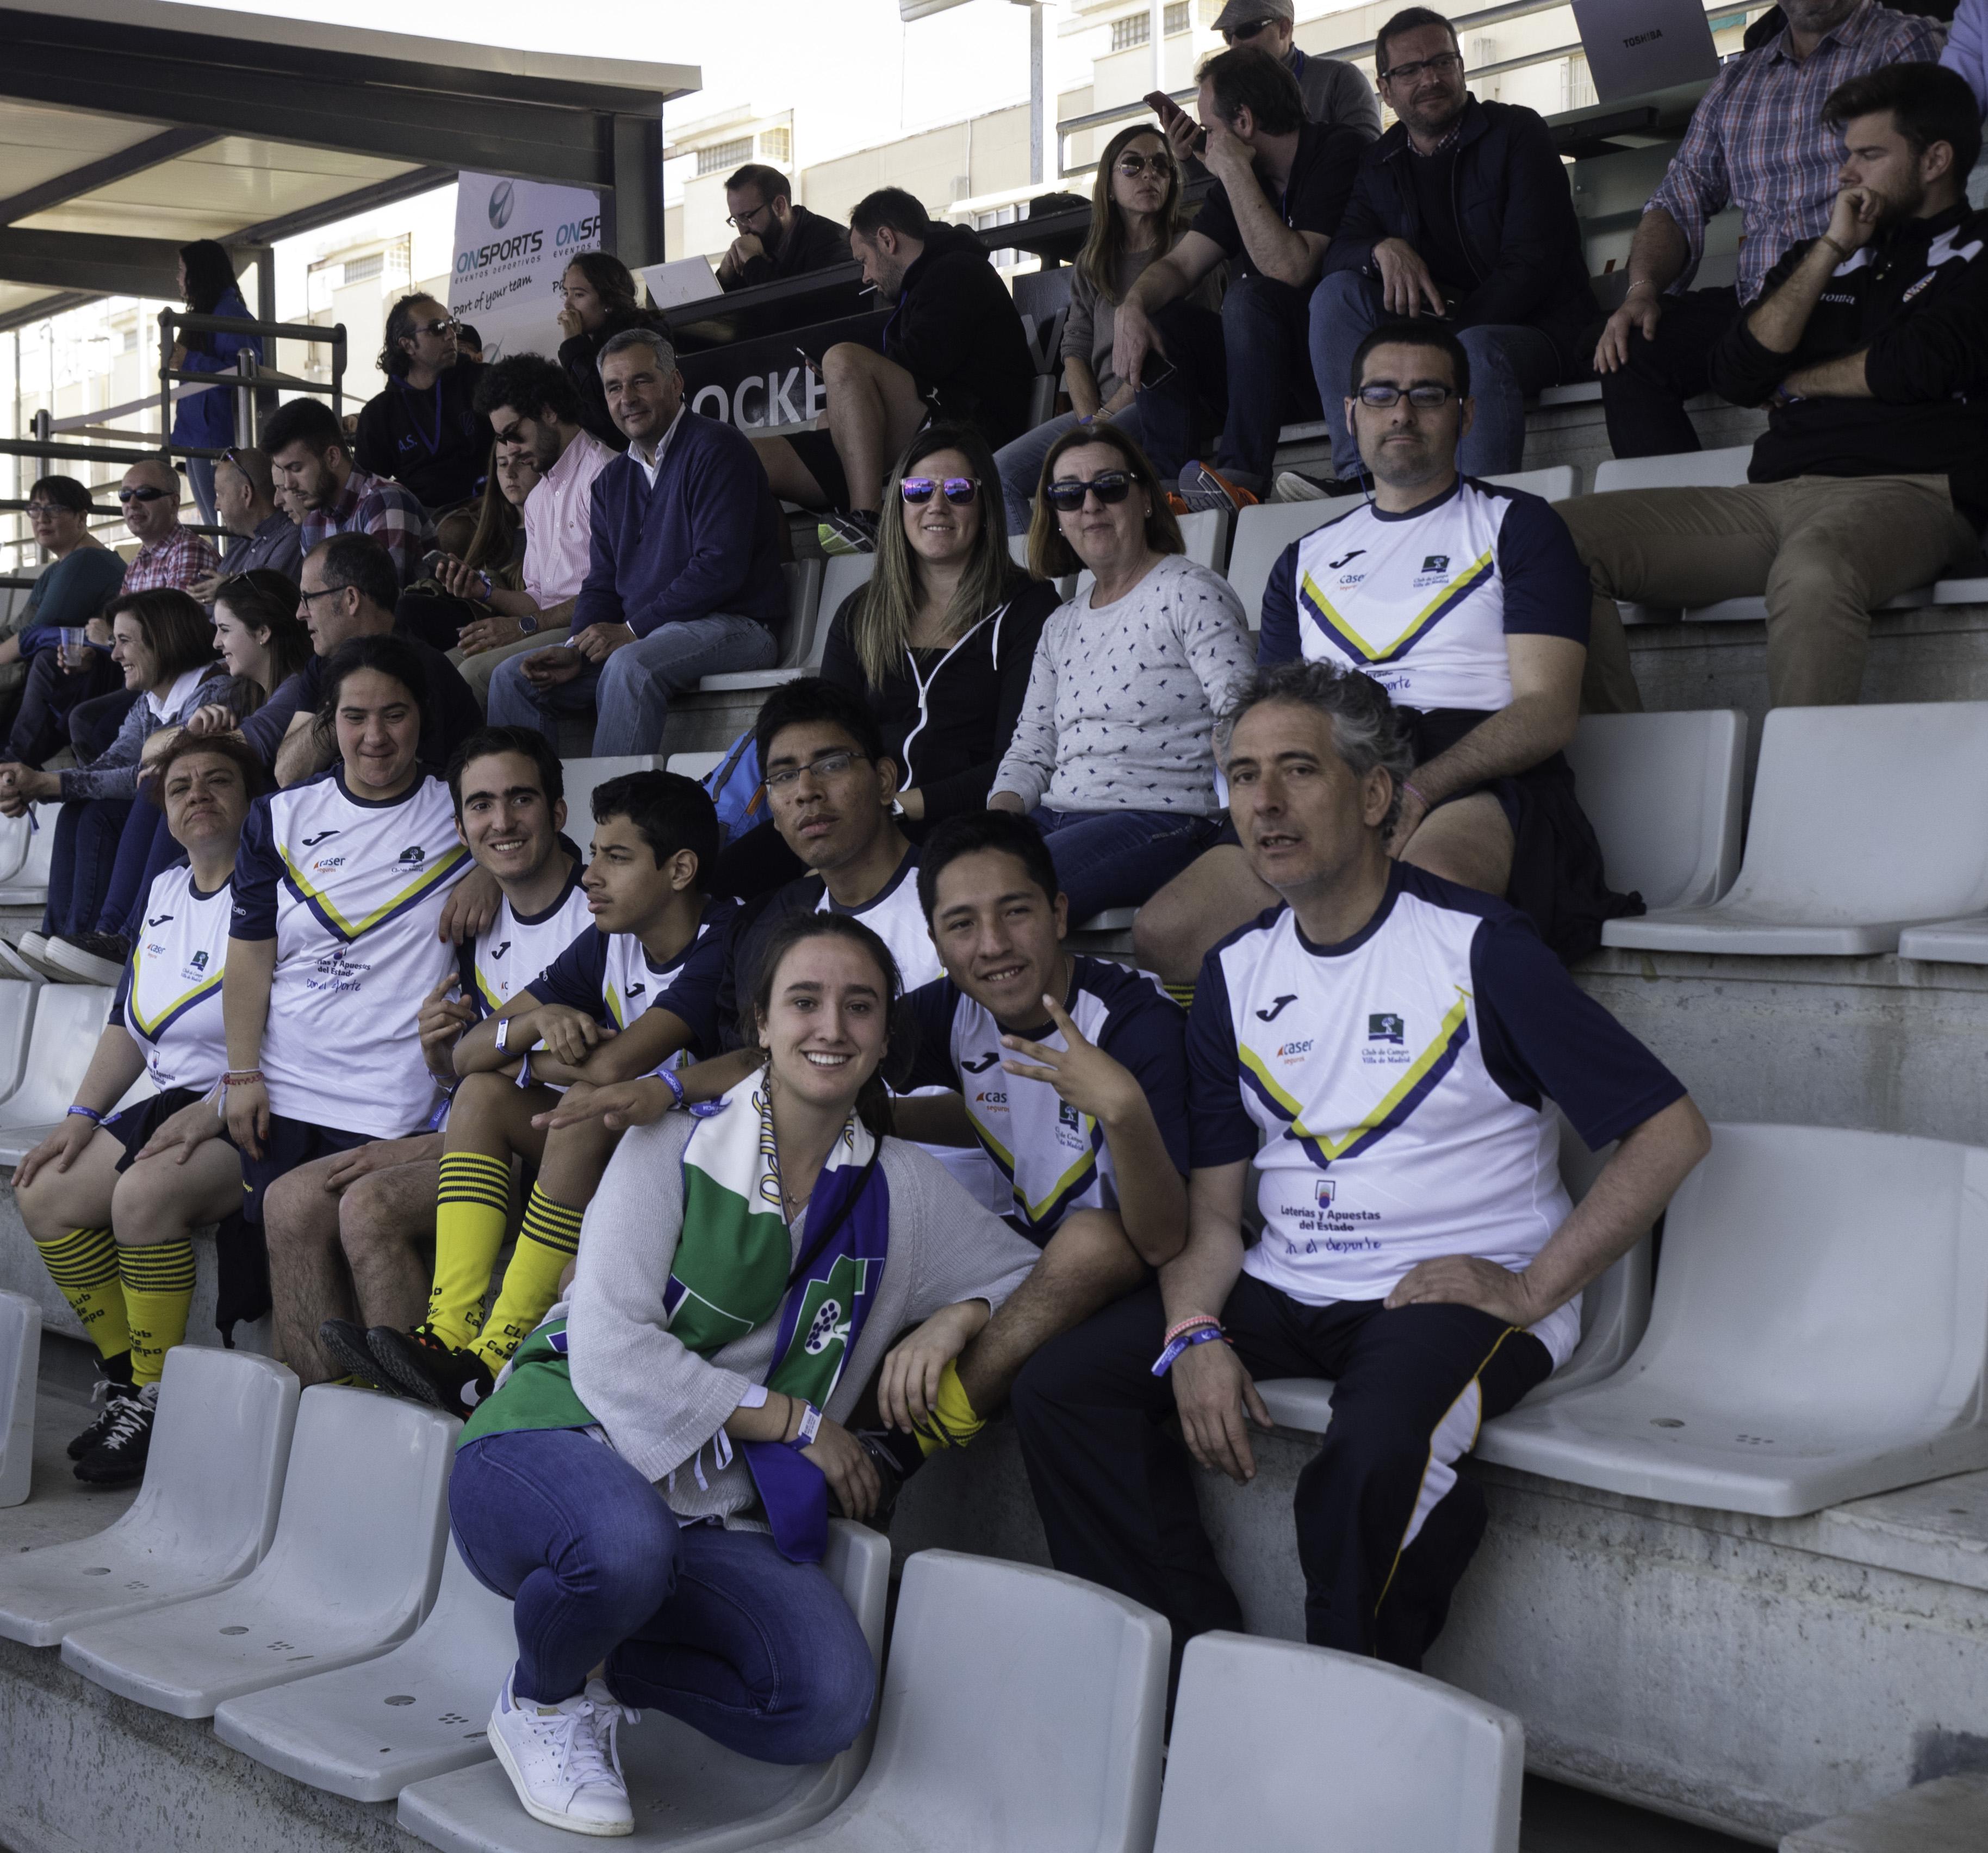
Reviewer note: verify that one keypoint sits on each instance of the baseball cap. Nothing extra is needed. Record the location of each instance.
(1244, 12)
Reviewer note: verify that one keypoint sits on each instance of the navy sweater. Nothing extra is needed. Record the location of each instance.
(703, 540)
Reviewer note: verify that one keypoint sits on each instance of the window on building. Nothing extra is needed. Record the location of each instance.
(1134, 30)
(1175, 21)
(1007, 258)
(723, 156)
(776, 145)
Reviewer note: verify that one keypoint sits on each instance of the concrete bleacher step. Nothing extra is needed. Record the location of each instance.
(689, 1794)
(1963, 941)
(204, 1514)
(20, 1366)
(1409, 1764)
(1948, 1814)
(351, 1570)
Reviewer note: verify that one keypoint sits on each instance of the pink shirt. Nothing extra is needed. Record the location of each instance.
(559, 522)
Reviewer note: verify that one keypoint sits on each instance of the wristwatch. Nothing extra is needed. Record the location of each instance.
(528, 626)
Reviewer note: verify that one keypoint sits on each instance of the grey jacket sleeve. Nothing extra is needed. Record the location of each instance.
(115, 773)
(964, 1251)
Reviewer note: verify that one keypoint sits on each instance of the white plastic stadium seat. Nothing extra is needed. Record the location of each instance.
(1835, 863)
(1663, 792)
(1554, 483)
(16, 838)
(1063, 1715)
(796, 638)
(1017, 551)
(20, 1362)
(687, 1792)
(17, 1019)
(352, 1568)
(1723, 469)
(1261, 534)
(431, 1697)
(1820, 1333)
(699, 765)
(1113, 920)
(68, 1020)
(1204, 534)
(582, 776)
(846, 572)
(1408, 1765)
(1960, 942)
(203, 1518)
(27, 885)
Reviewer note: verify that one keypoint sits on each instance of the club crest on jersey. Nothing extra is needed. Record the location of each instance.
(1324, 1190)
(1435, 563)
(414, 855)
(979, 1064)
(197, 965)
(1385, 1026)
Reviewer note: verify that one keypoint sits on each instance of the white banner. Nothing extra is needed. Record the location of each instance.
(513, 241)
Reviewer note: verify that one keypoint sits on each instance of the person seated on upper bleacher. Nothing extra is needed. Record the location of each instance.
(1967, 48)
(1461, 213)
(598, 294)
(1758, 140)
(776, 238)
(953, 349)
(1467, 603)
(1111, 754)
(351, 1237)
(263, 538)
(938, 643)
(1282, 184)
(1869, 346)
(424, 430)
(114, 1226)
(311, 457)
(348, 590)
(1335, 94)
(1138, 214)
(671, 1352)
(685, 580)
(82, 575)
(1382, 1044)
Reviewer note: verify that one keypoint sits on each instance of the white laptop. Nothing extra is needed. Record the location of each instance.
(1634, 46)
(682, 279)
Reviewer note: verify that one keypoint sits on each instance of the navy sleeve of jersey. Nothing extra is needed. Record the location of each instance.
(258, 869)
(578, 978)
(931, 1008)
(1278, 641)
(118, 996)
(1222, 1131)
(465, 978)
(1147, 1033)
(1543, 1035)
(1546, 587)
(693, 989)
(750, 927)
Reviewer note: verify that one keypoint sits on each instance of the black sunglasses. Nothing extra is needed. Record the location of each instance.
(1237, 34)
(142, 495)
(1111, 487)
(958, 490)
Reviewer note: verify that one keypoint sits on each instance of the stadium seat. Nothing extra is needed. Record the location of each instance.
(432, 1697)
(695, 765)
(1960, 942)
(846, 572)
(1261, 534)
(687, 1792)
(1724, 469)
(20, 1363)
(1113, 920)
(27, 884)
(581, 776)
(1017, 551)
(353, 1566)
(795, 640)
(1819, 1333)
(16, 839)
(1408, 1765)
(203, 1518)
(1663, 792)
(67, 1022)
(1835, 862)
(17, 1020)
(1063, 1713)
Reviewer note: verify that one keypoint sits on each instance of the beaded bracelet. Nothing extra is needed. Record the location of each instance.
(1416, 794)
(1188, 1323)
(241, 1077)
(87, 1112)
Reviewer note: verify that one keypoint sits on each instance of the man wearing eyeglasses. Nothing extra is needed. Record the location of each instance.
(776, 237)
(1334, 92)
(423, 431)
(168, 554)
(1461, 212)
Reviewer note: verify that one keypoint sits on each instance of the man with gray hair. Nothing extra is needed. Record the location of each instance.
(245, 500)
(685, 578)
(1382, 1045)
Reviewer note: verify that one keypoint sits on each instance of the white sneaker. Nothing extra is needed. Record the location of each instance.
(563, 1762)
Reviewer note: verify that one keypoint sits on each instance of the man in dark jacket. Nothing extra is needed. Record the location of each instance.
(776, 238)
(1461, 211)
(1869, 345)
(953, 349)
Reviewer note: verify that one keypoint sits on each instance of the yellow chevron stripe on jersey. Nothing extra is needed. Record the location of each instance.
(1414, 1078)
(1418, 626)
(431, 873)
(1075, 1176)
(151, 1027)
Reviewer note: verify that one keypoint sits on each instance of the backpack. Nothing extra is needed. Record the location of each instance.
(737, 789)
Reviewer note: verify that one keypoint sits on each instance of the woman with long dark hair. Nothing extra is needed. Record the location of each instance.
(600, 302)
(206, 417)
(719, 1356)
(423, 431)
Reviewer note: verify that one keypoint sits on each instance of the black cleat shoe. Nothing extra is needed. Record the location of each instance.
(107, 1392)
(120, 1457)
(347, 1342)
(418, 1364)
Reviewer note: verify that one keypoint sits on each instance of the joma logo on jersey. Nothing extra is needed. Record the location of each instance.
(158, 920)
(323, 835)
(413, 854)
(1277, 1007)
(979, 1064)
(1385, 1026)
(1336, 564)
(498, 952)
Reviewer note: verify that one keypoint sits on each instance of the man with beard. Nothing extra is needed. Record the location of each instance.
(776, 238)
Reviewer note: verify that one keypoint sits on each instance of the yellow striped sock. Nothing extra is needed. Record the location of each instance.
(471, 1208)
(953, 1423)
(83, 1264)
(549, 1239)
(1182, 995)
(158, 1290)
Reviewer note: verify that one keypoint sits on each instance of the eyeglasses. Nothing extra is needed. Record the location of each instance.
(143, 495)
(329, 592)
(823, 766)
(1439, 66)
(1236, 35)
(436, 328)
(738, 221)
(47, 511)
(1424, 396)
(1132, 166)
(958, 490)
(1111, 487)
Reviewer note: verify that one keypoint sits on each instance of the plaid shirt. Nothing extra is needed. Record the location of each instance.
(1757, 141)
(181, 559)
(378, 506)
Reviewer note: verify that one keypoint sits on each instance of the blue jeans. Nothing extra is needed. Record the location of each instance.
(200, 479)
(1120, 858)
(1508, 365)
(1269, 375)
(80, 863)
(1020, 463)
(145, 850)
(711, 1626)
(631, 693)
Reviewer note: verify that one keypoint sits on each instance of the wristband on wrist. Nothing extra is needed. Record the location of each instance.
(667, 1076)
(1189, 1323)
(1201, 1335)
(503, 1032)
(1842, 255)
(525, 1069)
(87, 1112)
(241, 1077)
(1415, 792)
(810, 1426)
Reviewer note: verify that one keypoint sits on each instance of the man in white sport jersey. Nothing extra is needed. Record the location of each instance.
(1383, 1045)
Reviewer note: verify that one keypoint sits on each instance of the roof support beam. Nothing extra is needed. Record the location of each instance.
(112, 169)
(80, 260)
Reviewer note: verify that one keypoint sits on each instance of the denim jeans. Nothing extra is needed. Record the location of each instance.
(41, 727)
(80, 863)
(1120, 858)
(1269, 375)
(711, 1626)
(200, 479)
(146, 848)
(1020, 463)
(1508, 365)
(631, 693)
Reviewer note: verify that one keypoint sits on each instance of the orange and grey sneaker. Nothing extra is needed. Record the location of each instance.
(1203, 488)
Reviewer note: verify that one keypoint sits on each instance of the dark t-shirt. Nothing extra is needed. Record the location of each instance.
(450, 715)
(1321, 180)
(1441, 243)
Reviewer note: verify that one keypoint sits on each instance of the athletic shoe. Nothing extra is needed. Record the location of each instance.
(119, 1458)
(34, 949)
(347, 1342)
(855, 533)
(96, 958)
(1202, 487)
(1290, 486)
(107, 1390)
(418, 1364)
(563, 1761)
(13, 965)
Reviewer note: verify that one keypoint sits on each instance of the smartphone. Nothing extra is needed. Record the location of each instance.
(808, 361)
(1170, 112)
(1157, 370)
